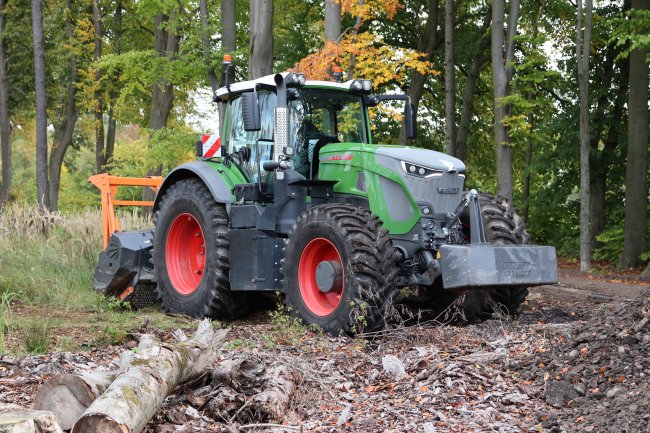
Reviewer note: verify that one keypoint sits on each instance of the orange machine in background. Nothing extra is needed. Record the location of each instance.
(107, 185)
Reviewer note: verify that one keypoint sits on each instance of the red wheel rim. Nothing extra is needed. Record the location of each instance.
(185, 253)
(316, 251)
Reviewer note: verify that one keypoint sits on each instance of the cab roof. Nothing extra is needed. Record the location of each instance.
(268, 81)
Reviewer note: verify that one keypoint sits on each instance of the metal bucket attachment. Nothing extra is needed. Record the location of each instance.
(489, 266)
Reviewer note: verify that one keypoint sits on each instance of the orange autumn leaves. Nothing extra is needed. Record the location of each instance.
(371, 56)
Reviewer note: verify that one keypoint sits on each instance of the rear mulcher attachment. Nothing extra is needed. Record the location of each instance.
(298, 200)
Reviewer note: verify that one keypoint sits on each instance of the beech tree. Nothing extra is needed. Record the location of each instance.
(65, 119)
(450, 82)
(260, 60)
(228, 43)
(503, 55)
(583, 46)
(42, 184)
(636, 181)
(5, 125)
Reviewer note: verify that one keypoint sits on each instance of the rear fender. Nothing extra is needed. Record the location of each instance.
(201, 170)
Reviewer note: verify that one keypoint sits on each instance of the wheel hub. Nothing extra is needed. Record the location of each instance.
(329, 276)
(320, 277)
(185, 253)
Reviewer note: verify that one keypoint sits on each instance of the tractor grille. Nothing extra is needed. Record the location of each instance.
(443, 193)
(361, 182)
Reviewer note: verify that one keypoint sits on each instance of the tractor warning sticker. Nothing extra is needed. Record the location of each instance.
(211, 145)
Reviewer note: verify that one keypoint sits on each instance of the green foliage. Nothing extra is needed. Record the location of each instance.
(33, 264)
(113, 335)
(287, 330)
(610, 244)
(5, 313)
(37, 337)
(632, 31)
(170, 147)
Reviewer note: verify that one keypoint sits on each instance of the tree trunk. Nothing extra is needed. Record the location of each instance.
(597, 164)
(480, 59)
(140, 389)
(162, 99)
(228, 42)
(68, 396)
(205, 41)
(5, 125)
(636, 181)
(450, 80)
(42, 187)
(112, 123)
(16, 419)
(502, 71)
(65, 124)
(528, 159)
(260, 62)
(429, 41)
(600, 164)
(332, 20)
(100, 155)
(529, 142)
(582, 56)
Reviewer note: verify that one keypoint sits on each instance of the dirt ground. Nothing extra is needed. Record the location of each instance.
(577, 359)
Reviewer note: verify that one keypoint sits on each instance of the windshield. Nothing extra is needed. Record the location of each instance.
(327, 113)
(324, 115)
(317, 115)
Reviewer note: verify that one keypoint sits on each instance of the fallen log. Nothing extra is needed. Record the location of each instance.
(248, 389)
(16, 419)
(69, 395)
(139, 390)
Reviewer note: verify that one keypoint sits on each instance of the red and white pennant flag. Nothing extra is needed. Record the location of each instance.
(211, 145)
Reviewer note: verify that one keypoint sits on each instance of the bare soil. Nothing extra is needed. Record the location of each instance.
(577, 359)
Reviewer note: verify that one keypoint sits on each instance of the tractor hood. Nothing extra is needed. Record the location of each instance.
(423, 157)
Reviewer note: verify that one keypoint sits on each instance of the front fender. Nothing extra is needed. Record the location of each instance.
(200, 170)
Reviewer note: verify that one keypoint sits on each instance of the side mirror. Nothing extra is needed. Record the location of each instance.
(251, 111)
(410, 120)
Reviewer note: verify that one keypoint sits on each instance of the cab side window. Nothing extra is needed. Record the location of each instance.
(237, 137)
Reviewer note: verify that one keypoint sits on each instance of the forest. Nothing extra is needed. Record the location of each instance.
(545, 100)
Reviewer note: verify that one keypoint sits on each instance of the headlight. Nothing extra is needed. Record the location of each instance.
(364, 86)
(418, 170)
(296, 80)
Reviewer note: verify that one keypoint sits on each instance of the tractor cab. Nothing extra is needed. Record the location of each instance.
(318, 113)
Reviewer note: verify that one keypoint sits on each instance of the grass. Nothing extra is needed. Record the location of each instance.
(46, 268)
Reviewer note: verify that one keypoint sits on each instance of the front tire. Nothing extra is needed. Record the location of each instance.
(503, 226)
(191, 254)
(339, 269)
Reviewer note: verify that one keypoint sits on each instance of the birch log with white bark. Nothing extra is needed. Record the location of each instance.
(150, 375)
(69, 395)
(16, 419)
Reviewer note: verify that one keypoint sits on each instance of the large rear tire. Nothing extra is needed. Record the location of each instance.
(191, 254)
(339, 269)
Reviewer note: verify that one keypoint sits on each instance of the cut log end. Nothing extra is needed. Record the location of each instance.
(100, 423)
(14, 418)
(68, 395)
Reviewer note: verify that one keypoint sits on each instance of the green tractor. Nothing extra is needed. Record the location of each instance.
(295, 198)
